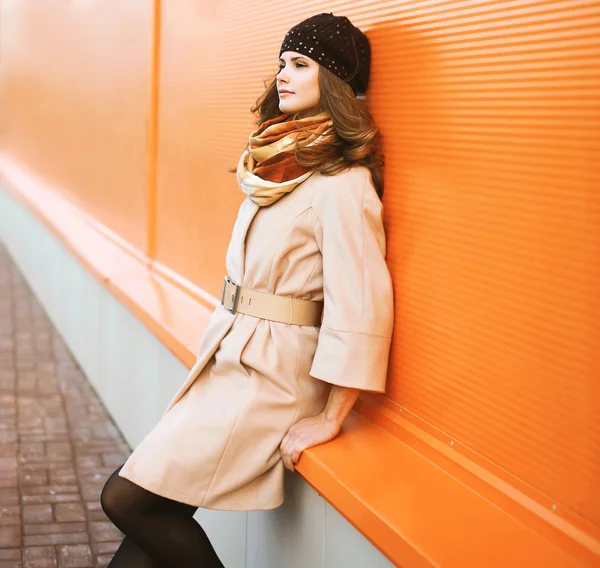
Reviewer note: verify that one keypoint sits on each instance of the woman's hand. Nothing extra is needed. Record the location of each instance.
(306, 434)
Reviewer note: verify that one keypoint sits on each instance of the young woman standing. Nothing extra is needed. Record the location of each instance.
(306, 314)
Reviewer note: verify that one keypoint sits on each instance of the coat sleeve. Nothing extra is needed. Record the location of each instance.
(355, 336)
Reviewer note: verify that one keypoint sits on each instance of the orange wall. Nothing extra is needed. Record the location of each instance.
(491, 121)
(74, 95)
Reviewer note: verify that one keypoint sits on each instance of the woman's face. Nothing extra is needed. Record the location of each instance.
(299, 75)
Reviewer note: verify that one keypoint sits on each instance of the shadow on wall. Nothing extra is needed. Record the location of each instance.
(407, 106)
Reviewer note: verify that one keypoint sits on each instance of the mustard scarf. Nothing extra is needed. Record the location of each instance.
(267, 169)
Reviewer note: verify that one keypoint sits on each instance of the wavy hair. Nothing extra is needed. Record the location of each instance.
(356, 139)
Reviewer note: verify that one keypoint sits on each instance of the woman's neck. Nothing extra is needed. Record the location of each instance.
(305, 113)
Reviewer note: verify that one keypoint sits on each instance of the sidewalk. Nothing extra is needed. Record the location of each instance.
(57, 443)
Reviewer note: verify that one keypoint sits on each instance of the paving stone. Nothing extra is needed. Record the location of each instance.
(40, 557)
(10, 536)
(93, 477)
(109, 547)
(91, 492)
(28, 435)
(44, 466)
(8, 449)
(15, 519)
(64, 512)
(67, 538)
(97, 516)
(37, 514)
(62, 476)
(76, 556)
(103, 560)
(8, 464)
(33, 478)
(101, 531)
(33, 449)
(8, 438)
(39, 499)
(55, 528)
(9, 496)
(114, 460)
(12, 564)
(58, 445)
(9, 483)
(8, 511)
(92, 461)
(59, 449)
(50, 490)
(31, 459)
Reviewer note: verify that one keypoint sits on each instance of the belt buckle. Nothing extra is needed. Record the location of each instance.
(234, 296)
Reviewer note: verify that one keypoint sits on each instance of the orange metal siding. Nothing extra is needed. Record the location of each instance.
(74, 94)
(490, 113)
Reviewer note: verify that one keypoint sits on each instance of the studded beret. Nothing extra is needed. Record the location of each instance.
(336, 44)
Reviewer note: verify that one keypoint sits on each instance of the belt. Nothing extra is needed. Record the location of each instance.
(283, 309)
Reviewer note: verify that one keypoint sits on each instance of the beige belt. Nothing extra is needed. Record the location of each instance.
(269, 306)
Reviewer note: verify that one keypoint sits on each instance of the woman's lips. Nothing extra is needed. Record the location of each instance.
(284, 93)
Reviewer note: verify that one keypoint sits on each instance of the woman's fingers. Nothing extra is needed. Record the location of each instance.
(295, 455)
(283, 451)
(305, 434)
(288, 462)
(289, 455)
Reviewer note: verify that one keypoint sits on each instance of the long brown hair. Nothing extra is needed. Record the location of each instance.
(357, 140)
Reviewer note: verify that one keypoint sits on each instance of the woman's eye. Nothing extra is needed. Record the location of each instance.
(297, 65)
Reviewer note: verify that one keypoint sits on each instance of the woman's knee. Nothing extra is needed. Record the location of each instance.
(125, 502)
(115, 496)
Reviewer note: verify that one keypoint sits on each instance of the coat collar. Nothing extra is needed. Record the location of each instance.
(236, 264)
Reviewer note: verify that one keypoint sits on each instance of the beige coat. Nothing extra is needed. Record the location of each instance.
(217, 445)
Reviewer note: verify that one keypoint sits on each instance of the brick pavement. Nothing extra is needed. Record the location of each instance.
(57, 443)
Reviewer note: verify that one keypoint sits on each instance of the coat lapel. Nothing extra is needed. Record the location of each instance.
(236, 254)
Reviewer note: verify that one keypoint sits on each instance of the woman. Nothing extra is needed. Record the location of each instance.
(306, 313)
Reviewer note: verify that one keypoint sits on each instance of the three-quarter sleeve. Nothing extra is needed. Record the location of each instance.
(355, 336)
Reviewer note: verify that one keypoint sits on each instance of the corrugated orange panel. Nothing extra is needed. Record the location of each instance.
(74, 99)
(491, 118)
(490, 112)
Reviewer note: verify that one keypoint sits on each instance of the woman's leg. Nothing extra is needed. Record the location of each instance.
(130, 554)
(164, 530)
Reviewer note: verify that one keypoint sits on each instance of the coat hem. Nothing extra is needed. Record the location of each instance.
(179, 499)
(239, 509)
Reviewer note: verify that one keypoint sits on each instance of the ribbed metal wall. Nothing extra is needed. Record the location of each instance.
(491, 118)
(490, 113)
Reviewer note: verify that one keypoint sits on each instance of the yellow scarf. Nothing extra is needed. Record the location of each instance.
(267, 169)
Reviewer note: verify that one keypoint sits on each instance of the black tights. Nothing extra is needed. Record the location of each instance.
(160, 533)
